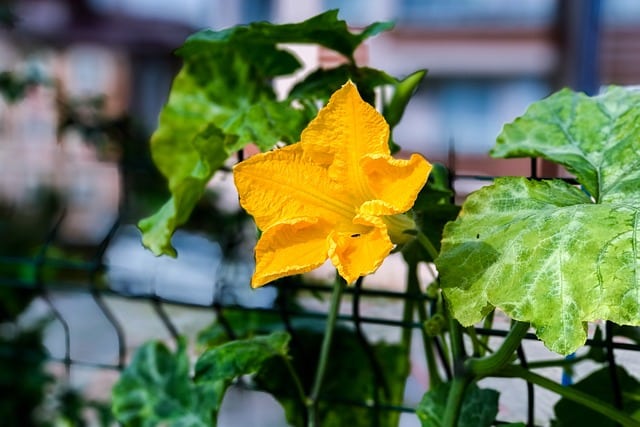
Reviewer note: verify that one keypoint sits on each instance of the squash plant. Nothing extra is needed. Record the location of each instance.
(552, 255)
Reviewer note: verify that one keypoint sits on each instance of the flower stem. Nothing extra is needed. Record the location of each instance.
(332, 316)
(569, 393)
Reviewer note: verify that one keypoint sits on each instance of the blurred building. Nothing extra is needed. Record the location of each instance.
(487, 60)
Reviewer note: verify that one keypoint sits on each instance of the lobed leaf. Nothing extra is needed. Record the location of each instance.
(547, 252)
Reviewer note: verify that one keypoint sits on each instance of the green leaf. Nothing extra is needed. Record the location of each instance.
(156, 389)
(403, 91)
(192, 169)
(217, 105)
(547, 252)
(542, 253)
(479, 408)
(598, 384)
(594, 138)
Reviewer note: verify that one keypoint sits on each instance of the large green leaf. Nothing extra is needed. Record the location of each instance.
(543, 253)
(479, 407)
(599, 384)
(223, 96)
(547, 252)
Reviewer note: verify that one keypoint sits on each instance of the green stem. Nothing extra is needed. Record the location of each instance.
(332, 316)
(454, 401)
(461, 379)
(569, 393)
(485, 366)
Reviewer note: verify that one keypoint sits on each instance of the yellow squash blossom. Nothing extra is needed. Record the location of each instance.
(336, 194)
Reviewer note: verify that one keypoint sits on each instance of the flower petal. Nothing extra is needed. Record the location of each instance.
(288, 248)
(282, 185)
(344, 131)
(356, 254)
(395, 182)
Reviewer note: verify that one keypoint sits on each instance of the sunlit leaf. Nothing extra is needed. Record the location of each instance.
(547, 252)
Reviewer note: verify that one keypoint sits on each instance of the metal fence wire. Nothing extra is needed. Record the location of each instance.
(48, 277)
